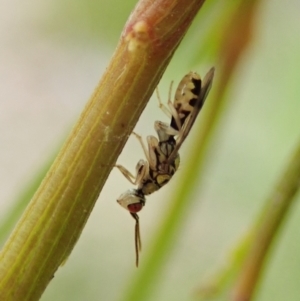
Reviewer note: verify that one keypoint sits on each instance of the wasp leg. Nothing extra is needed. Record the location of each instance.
(161, 105)
(127, 174)
(169, 110)
(164, 131)
(154, 152)
(150, 153)
(142, 168)
(139, 138)
(137, 238)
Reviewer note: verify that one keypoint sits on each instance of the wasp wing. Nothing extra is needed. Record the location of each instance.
(205, 88)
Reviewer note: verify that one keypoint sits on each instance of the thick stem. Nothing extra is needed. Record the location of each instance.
(56, 215)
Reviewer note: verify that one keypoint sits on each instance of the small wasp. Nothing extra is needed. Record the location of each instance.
(162, 158)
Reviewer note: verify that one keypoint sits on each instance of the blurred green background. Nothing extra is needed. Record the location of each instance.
(52, 55)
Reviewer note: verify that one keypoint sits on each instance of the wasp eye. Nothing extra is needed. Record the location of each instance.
(133, 208)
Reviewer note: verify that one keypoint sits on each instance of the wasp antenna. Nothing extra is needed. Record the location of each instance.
(137, 238)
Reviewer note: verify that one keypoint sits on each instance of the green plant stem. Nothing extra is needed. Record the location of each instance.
(245, 265)
(56, 215)
(266, 229)
(246, 262)
(21, 201)
(235, 41)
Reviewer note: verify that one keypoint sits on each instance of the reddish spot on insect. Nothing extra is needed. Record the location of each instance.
(133, 208)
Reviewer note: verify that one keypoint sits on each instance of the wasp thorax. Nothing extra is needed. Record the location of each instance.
(132, 200)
